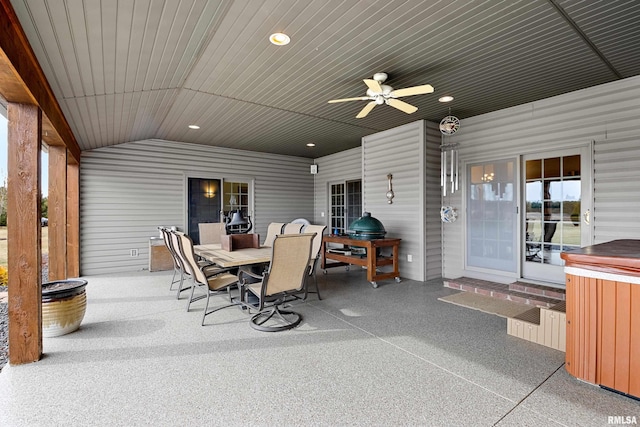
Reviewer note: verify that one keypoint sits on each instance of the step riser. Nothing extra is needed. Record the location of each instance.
(533, 290)
(504, 292)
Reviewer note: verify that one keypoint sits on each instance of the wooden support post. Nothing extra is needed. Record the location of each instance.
(73, 220)
(57, 212)
(23, 233)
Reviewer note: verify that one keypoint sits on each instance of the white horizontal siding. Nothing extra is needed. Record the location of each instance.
(127, 190)
(433, 224)
(400, 152)
(607, 114)
(343, 166)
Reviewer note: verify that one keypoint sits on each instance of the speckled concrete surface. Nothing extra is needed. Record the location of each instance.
(394, 355)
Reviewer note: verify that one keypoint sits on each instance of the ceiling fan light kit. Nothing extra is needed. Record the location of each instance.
(378, 94)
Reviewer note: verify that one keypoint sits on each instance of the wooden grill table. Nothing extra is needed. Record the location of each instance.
(371, 261)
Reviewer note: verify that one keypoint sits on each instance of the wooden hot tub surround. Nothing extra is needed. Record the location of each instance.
(603, 315)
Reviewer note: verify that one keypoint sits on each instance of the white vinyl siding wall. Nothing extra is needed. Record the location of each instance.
(339, 167)
(412, 156)
(607, 115)
(127, 190)
(401, 153)
(433, 224)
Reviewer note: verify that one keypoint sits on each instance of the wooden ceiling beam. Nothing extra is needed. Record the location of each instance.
(23, 81)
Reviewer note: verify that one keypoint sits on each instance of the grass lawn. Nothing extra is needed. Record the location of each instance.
(3, 243)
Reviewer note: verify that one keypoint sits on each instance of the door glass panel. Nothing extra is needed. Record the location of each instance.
(236, 199)
(354, 201)
(552, 223)
(346, 205)
(203, 204)
(491, 223)
(337, 209)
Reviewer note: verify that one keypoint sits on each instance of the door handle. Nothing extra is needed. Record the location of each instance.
(587, 216)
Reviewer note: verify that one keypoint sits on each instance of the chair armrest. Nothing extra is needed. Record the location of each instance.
(211, 270)
(242, 273)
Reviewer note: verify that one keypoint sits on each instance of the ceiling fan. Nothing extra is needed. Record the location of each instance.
(379, 94)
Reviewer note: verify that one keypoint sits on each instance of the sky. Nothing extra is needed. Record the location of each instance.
(3, 158)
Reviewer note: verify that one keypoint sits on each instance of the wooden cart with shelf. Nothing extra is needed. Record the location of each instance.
(372, 260)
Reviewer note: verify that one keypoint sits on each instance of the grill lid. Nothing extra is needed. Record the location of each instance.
(367, 227)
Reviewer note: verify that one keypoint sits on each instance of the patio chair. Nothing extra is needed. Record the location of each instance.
(211, 232)
(315, 256)
(185, 270)
(174, 241)
(210, 281)
(286, 277)
(292, 228)
(177, 263)
(273, 230)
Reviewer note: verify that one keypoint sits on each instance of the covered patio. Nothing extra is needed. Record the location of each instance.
(362, 356)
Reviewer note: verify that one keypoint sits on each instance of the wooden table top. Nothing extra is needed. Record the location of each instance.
(215, 254)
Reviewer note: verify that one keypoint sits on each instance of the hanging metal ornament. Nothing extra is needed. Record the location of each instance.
(449, 178)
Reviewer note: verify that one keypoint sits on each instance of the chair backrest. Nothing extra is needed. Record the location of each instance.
(273, 230)
(211, 232)
(177, 247)
(292, 228)
(166, 236)
(289, 263)
(317, 241)
(186, 246)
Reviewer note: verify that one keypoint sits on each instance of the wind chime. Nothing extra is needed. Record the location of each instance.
(449, 173)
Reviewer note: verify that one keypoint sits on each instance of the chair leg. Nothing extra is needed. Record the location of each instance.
(307, 291)
(173, 279)
(199, 297)
(193, 287)
(315, 281)
(206, 307)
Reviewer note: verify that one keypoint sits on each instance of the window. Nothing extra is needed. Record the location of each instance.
(236, 198)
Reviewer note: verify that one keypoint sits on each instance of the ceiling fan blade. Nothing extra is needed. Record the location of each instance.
(402, 106)
(366, 110)
(415, 90)
(360, 98)
(374, 85)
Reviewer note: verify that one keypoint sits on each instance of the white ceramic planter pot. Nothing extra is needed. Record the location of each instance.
(64, 303)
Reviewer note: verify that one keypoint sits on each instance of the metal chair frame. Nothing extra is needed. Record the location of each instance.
(270, 301)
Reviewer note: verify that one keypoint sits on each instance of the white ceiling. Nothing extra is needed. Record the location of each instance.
(127, 70)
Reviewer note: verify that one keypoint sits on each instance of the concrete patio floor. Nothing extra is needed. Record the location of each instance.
(390, 356)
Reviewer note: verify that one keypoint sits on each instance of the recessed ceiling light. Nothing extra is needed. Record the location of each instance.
(279, 39)
(446, 98)
(194, 127)
(311, 144)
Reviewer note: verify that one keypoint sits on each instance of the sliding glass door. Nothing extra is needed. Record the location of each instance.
(557, 211)
(492, 216)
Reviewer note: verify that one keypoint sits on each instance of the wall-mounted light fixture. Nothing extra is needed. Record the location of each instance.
(390, 194)
(210, 189)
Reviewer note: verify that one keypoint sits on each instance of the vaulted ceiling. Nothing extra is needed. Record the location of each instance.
(127, 70)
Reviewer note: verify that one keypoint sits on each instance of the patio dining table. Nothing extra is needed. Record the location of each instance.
(245, 259)
(237, 258)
